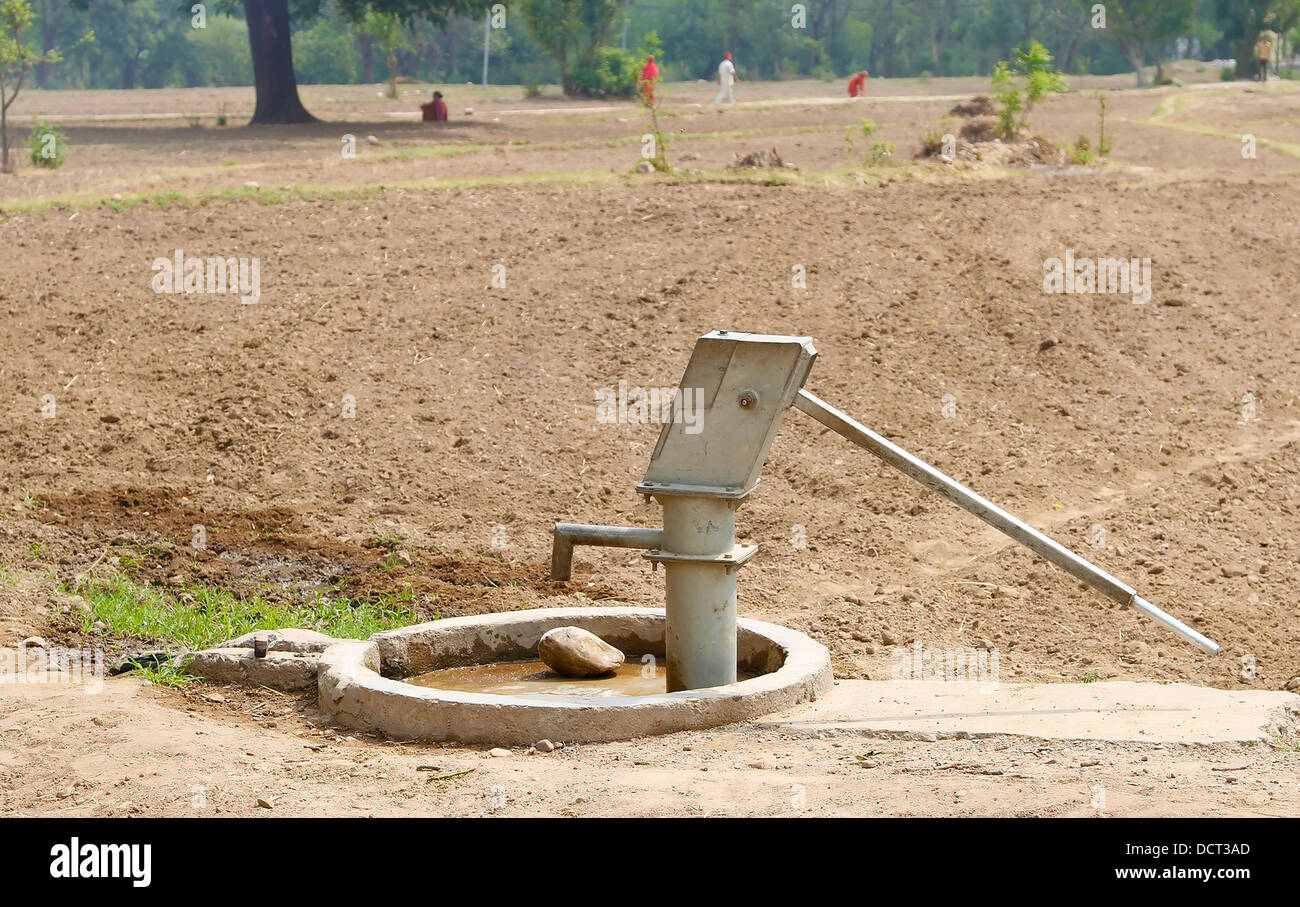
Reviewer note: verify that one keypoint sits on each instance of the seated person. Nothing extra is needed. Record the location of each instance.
(434, 110)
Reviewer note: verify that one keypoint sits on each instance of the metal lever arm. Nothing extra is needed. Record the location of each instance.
(990, 513)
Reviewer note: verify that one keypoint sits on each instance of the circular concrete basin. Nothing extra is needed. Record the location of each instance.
(360, 684)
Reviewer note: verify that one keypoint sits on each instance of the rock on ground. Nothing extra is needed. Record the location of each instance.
(575, 652)
(278, 670)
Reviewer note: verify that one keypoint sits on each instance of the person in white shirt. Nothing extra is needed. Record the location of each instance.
(726, 79)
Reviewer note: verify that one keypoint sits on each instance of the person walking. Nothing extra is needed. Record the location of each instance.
(1264, 54)
(649, 78)
(726, 80)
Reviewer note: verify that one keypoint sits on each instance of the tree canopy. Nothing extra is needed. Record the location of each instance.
(278, 44)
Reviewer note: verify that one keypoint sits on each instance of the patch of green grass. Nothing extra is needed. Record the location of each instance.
(1285, 747)
(389, 540)
(1167, 107)
(1090, 677)
(364, 191)
(259, 194)
(168, 674)
(1290, 149)
(168, 199)
(1174, 103)
(303, 193)
(159, 550)
(38, 550)
(268, 532)
(203, 615)
(453, 150)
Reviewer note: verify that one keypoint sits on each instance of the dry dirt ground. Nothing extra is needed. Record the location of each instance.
(1158, 439)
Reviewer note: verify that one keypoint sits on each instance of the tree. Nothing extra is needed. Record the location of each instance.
(1041, 78)
(326, 53)
(386, 28)
(131, 38)
(1243, 20)
(938, 15)
(571, 31)
(270, 43)
(217, 54)
(1139, 25)
(51, 17)
(890, 21)
(16, 61)
(274, 81)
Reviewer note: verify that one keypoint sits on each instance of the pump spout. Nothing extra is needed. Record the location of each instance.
(990, 513)
(569, 534)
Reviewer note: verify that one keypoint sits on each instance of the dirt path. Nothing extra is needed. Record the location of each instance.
(136, 750)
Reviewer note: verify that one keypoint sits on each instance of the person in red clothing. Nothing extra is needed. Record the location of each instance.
(649, 78)
(858, 85)
(434, 110)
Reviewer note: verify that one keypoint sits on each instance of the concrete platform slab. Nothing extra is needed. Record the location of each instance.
(1115, 711)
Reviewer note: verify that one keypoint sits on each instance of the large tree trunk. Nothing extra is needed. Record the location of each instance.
(366, 43)
(561, 55)
(1247, 65)
(1137, 55)
(273, 76)
(51, 13)
(939, 31)
(4, 136)
(1071, 48)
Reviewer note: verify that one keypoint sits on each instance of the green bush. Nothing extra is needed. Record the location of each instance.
(324, 55)
(613, 74)
(1021, 84)
(1228, 74)
(880, 151)
(931, 143)
(1081, 151)
(48, 146)
(218, 54)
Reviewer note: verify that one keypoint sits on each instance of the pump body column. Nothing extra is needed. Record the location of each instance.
(700, 560)
(724, 417)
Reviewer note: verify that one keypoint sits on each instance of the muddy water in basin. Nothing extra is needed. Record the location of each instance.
(518, 678)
